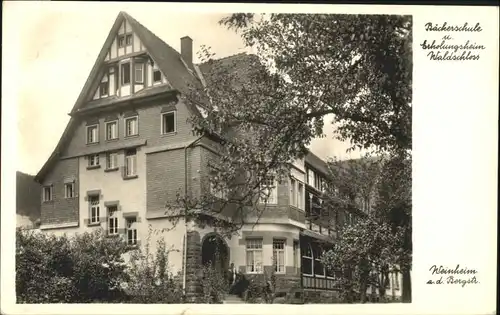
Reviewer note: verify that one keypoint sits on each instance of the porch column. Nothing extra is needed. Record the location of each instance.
(193, 264)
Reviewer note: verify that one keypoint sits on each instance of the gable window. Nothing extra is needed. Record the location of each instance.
(121, 41)
(69, 190)
(131, 126)
(268, 191)
(131, 230)
(112, 220)
(130, 163)
(94, 209)
(279, 255)
(93, 160)
(139, 73)
(104, 86)
(125, 73)
(254, 255)
(47, 193)
(168, 122)
(156, 76)
(111, 161)
(112, 130)
(128, 39)
(92, 134)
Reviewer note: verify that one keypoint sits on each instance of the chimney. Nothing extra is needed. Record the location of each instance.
(187, 50)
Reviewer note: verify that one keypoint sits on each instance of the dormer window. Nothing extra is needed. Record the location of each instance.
(125, 73)
(156, 76)
(139, 72)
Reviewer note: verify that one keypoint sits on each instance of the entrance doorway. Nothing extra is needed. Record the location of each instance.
(215, 251)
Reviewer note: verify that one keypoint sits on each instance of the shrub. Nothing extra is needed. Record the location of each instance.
(213, 285)
(150, 279)
(84, 268)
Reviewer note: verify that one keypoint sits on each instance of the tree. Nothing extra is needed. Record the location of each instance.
(355, 67)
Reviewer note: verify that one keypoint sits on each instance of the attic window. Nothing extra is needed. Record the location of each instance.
(104, 87)
(124, 40)
(156, 75)
(121, 41)
(139, 72)
(128, 39)
(125, 73)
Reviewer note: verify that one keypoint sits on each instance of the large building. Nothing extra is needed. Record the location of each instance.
(128, 149)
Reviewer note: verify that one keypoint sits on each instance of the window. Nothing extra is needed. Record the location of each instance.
(112, 220)
(94, 209)
(125, 73)
(69, 190)
(128, 39)
(268, 193)
(293, 192)
(279, 255)
(92, 134)
(254, 255)
(121, 41)
(307, 260)
(131, 126)
(296, 262)
(104, 88)
(131, 231)
(319, 269)
(111, 161)
(111, 130)
(310, 177)
(47, 193)
(300, 196)
(93, 160)
(396, 280)
(139, 72)
(130, 163)
(168, 122)
(156, 75)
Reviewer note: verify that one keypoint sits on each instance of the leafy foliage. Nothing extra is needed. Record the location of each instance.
(50, 269)
(214, 285)
(150, 279)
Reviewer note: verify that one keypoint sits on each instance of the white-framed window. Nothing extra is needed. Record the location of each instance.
(131, 126)
(168, 123)
(93, 134)
(156, 75)
(300, 196)
(112, 220)
(268, 191)
(112, 130)
(293, 192)
(310, 177)
(279, 255)
(47, 194)
(130, 162)
(69, 190)
(308, 260)
(111, 160)
(128, 39)
(93, 160)
(131, 230)
(125, 73)
(121, 41)
(139, 72)
(254, 255)
(319, 269)
(94, 208)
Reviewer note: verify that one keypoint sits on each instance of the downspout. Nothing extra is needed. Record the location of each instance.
(185, 221)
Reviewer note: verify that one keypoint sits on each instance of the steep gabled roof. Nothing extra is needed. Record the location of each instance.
(181, 76)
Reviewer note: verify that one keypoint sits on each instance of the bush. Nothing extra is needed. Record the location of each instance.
(213, 285)
(85, 268)
(150, 279)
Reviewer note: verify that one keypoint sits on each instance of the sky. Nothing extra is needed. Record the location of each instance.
(52, 48)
